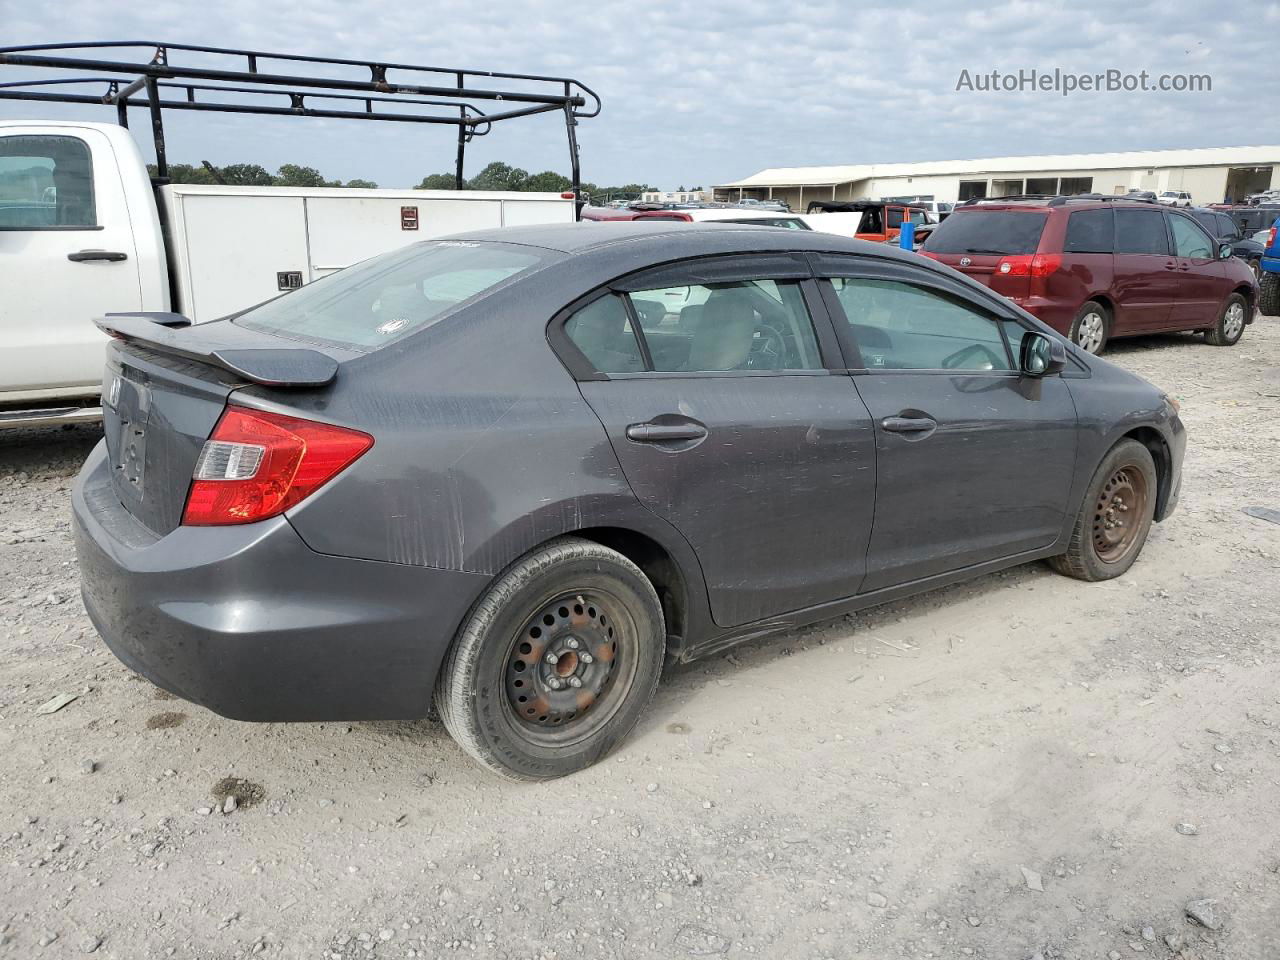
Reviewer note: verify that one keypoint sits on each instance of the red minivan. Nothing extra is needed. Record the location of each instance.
(1096, 267)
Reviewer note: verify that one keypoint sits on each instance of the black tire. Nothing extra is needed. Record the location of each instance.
(1091, 328)
(1229, 328)
(592, 598)
(1269, 298)
(1088, 556)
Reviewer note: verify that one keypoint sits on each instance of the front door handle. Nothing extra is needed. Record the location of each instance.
(908, 424)
(1171, 265)
(665, 432)
(84, 256)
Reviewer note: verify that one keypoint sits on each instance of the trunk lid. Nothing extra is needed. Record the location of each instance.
(164, 388)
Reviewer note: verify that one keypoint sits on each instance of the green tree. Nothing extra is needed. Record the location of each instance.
(548, 181)
(292, 175)
(366, 184)
(499, 176)
(246, 174)
(437, 181)
(184, 173)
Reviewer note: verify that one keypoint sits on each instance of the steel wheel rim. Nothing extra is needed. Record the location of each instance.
(1089, 333)
(1233, 322)
(569, 669)
(1119, 514)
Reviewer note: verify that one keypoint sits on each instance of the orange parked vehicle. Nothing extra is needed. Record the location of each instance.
(882, 220)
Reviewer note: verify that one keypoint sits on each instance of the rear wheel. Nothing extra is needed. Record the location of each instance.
(1269, 298)
(1091, 327)
(1112, 525)
(1230, 326)
(555, 663)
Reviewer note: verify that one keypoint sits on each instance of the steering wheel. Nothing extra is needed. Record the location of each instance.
(973, 357)
(769, 350)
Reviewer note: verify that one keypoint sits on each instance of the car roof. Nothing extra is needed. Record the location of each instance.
(672, 241)
(1049, 204)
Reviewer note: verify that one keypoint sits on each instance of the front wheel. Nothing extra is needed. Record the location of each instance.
(1090, 328)
(1230, 326)
(555, 663)
(1112, 525)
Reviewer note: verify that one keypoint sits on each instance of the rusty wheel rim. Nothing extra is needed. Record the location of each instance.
(570, 667)
(1119, 514)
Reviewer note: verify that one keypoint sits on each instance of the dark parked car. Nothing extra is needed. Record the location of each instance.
(464, 472)
(1100, 267)
(1220, 225)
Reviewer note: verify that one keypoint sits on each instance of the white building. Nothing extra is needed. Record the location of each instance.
(676, 196)
(1211, 175)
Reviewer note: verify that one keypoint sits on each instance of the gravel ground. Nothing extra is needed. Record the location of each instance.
(1022, 766)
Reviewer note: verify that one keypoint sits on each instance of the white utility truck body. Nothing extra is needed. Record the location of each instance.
(83, 232)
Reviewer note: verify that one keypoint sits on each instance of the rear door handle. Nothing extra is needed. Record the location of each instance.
(84, 256)
(908, 424)
(1171, 265)
(665, 432)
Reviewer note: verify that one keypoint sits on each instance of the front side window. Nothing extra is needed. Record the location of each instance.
(1189, 240)
(390, 296)
(46, 183)
(899, 326)
(1141, 232)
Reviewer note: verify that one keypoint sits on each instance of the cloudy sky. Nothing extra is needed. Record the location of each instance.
(702, 93)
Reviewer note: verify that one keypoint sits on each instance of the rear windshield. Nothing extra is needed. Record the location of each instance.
(387, 297)
(995, 232)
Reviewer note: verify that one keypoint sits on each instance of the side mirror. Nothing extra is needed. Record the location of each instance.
(1041, 356)
(1225, 251)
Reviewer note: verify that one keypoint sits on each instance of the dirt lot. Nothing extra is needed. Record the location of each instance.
(1023, 766)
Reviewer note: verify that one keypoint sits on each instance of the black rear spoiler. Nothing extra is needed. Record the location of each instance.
(223, 345)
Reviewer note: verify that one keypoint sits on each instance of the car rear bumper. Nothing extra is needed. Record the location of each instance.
(253, 624)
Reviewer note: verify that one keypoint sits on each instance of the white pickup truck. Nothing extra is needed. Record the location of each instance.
(83, 233)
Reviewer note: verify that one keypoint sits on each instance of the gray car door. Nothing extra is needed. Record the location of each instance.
(716, 390)
(974, 461)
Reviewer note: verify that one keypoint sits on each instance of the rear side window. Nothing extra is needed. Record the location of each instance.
(1141, 231)
(994, 232)
(46, 183)
(602, 331)
(387, 297)
(898, 326)
(1089, 231)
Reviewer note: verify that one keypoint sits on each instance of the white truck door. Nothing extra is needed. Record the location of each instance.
(67, 254)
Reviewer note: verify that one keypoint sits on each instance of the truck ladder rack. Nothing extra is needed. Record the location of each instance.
(224, 80)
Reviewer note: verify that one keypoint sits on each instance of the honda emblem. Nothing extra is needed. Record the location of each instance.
(965, 261)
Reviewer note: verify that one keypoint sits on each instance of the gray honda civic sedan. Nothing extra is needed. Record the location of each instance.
(513, 472)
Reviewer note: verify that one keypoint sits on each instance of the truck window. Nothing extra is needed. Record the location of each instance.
(387, 297)
(46, 183)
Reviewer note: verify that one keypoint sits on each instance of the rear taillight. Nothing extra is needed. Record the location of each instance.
(1271, 239)
(1025, 265)
(256, 465)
